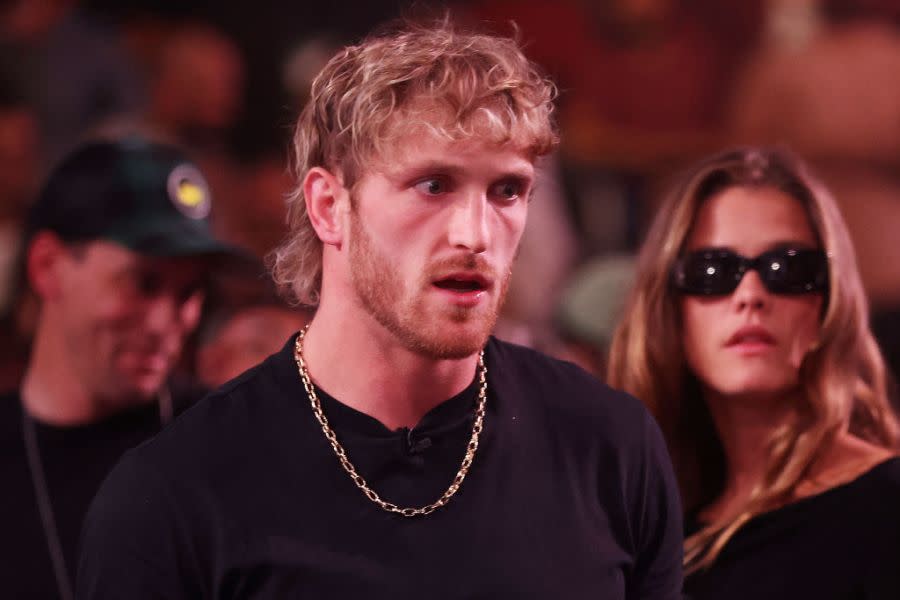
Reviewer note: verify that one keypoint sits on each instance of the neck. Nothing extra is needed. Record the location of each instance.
(369, 370)
(745, 425)
(52, 392)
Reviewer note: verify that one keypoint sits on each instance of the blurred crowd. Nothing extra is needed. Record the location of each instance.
(112, 324)
(646, 87)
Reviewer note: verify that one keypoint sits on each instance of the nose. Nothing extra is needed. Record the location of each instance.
(468, 227)
(751, 293)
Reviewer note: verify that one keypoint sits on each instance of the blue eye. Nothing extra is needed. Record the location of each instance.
(432, 186)
(507, 190)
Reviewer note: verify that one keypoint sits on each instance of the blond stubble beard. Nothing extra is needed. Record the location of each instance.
(379, 289)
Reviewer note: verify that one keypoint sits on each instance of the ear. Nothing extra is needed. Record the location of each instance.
(327, 201)
(43, 264)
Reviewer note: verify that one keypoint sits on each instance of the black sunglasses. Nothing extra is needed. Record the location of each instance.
(717, 272)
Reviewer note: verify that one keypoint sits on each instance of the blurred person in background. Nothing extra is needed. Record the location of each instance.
(234, 338)
(19, 160)
(196, 79)
(19, 168)
(117, 253)
(252, 214)
(747, 335)
(72, 68)
(196, 86)
(393, 448)
(617, 60)
(194, 75)
(590, 309)
(644, 84)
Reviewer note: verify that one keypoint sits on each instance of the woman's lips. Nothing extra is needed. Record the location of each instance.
(751, 339)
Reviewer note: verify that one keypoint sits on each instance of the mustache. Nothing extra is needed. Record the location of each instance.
(467, 262)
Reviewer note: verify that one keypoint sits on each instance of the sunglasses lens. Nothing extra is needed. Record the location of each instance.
(783, 271)
(708, 273)
(794, 271)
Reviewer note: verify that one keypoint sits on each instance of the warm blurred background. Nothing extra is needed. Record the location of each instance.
(646, 87)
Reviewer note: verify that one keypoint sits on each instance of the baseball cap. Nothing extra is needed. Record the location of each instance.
(143, 195)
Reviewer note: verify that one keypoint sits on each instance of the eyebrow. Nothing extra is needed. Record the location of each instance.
(449, 168)
(785, 244)
(776, 245)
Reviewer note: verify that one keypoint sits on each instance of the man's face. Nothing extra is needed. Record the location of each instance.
(433, 235)
(123, 317)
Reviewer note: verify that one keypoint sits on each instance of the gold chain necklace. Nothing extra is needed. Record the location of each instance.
(351, 470)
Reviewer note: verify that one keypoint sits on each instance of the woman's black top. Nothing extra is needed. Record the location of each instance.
(841, 544)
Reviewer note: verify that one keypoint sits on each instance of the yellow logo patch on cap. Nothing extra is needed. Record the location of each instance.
(189, 192)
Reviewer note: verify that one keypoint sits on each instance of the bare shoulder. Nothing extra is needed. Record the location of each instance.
(848, 458)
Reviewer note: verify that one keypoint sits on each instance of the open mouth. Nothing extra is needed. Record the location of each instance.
(456, 285)
(462, 283)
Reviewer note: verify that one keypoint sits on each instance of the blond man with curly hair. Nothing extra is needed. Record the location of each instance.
(393, 448)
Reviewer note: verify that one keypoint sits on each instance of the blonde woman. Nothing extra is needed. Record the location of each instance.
(747, 336)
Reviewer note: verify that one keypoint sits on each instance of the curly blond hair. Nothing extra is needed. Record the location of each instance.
(453, 84)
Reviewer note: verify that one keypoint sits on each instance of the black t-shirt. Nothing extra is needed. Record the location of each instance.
(75, 462)
(842, 544)
(571, 495)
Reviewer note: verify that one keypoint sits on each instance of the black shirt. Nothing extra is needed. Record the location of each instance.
(571, 495)
(842, 544)
(75, 462)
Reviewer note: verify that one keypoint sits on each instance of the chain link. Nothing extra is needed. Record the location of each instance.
(358, 479)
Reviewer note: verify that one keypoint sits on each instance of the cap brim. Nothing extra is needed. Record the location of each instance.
(175, 239)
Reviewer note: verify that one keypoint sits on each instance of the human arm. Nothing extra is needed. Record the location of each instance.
(131, 544)
(657, 521)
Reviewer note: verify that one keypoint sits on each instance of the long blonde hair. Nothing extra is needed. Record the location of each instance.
(843, 380)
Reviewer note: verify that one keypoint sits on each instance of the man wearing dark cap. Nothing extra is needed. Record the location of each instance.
(117, 249)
